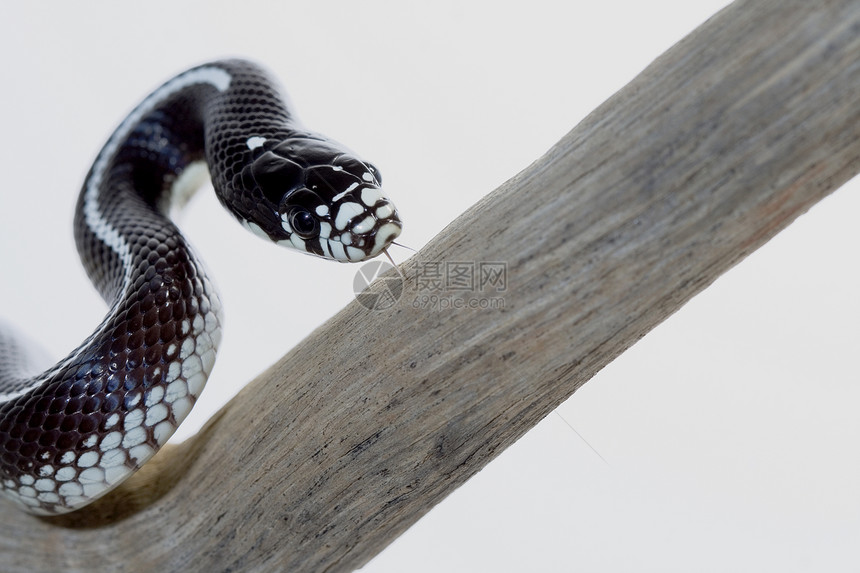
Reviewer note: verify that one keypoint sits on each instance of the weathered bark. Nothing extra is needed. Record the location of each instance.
(350, 438)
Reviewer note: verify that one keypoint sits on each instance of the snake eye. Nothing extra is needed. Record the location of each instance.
(303, 223)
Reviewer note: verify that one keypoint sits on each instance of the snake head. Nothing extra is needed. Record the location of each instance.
(321, 200)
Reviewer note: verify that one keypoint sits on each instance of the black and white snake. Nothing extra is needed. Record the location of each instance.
(76, 430)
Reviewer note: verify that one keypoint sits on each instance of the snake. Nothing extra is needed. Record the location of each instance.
(72, 432)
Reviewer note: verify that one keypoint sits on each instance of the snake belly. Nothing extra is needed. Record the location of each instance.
(71, 433)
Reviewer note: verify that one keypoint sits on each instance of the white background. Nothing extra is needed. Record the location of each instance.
(730, 431)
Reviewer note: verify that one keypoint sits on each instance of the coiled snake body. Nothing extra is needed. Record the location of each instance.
(76, 430)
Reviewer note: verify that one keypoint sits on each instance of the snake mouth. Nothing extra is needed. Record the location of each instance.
(357, 248)
(385, 235)
(360, 230)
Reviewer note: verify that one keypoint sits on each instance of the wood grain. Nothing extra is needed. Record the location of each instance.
(349, 439)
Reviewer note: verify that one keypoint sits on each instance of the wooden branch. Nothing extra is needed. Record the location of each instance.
(377, 416)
